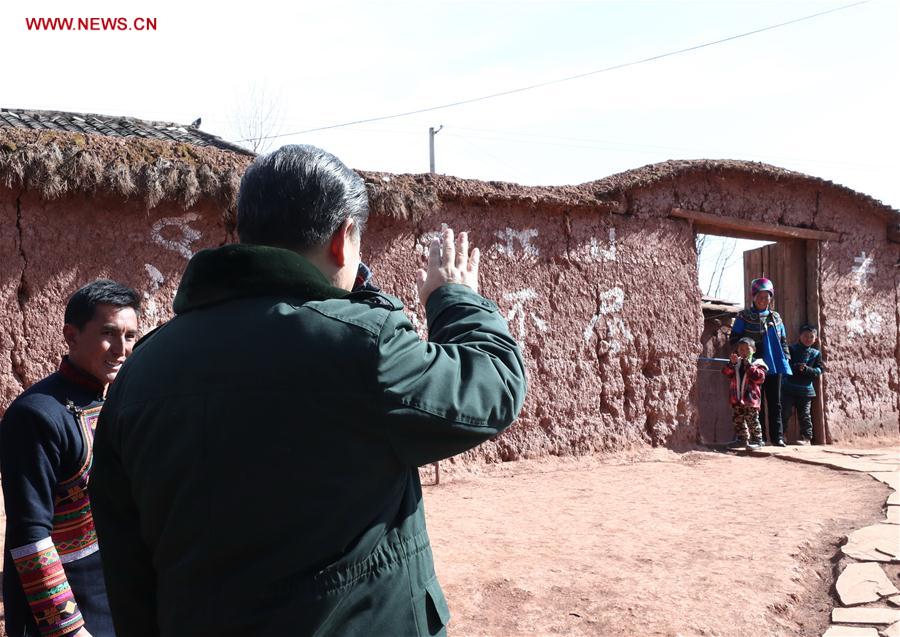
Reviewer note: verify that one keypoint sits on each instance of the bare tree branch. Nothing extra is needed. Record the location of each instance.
(719, 250)
(257, 116)
(727, 262)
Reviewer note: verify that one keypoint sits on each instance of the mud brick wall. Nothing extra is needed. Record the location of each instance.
(48, 249)
(598, 282)
(860, 288)
(859, 285)
(607, 367)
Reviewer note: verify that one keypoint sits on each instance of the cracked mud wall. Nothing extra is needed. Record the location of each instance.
(895, 380)
(859, 323)
(858, 295)
(603, 297)
(48, 249)
(11, 267)
(609, 341)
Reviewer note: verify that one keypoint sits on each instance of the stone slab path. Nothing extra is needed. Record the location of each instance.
(863, 583)
(867, 596)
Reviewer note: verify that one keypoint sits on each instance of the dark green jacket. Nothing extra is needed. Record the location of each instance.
(255, 462)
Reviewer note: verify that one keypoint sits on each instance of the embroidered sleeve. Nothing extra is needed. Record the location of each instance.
(47, 589)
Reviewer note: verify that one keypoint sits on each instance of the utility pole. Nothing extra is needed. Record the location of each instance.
(431, 133)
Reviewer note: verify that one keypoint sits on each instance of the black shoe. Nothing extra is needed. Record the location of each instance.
(754, 444)
(780, 443)
(737, 443)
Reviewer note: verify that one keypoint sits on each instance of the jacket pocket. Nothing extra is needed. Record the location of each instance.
(432, 612)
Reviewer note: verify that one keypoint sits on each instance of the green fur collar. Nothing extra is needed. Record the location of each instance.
(239, 271)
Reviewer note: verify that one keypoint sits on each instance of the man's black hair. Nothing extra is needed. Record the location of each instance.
(81, 305)
(808, 327)
(747, 341)
(297, 197)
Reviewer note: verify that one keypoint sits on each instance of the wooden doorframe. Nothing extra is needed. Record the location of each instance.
(706, 223)
(821, 433)
(741, 227)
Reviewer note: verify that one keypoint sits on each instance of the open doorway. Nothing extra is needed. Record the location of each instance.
(790, 256)
(727, 265)
(720, 266)
(724, 287)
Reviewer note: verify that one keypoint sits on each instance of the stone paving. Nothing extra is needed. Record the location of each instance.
(868, 600)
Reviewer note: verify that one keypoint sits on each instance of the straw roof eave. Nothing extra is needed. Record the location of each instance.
(57, 163)
(610, 193)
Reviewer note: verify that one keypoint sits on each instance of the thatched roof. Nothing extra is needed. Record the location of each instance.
(59, 162)
(651, 174)
(414, 196)
(113, 126)
(609, 193)
(57, 153)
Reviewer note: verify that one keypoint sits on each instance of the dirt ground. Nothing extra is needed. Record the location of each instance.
(648, 544)
(675, 545)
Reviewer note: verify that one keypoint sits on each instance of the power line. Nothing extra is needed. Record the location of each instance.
(641, 149)
(571, 77)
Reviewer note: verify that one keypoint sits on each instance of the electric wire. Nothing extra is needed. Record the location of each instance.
(570, 78)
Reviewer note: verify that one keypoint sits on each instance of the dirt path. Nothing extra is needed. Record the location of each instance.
(676, 545)
(659, 544)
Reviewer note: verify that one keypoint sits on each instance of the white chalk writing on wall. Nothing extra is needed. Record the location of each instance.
(518, 313)
(509, 238)
(865, 265)
(599, 253)
(609, 305)
(151, 309)
(181, 245)
(861, 322)
(609, 302)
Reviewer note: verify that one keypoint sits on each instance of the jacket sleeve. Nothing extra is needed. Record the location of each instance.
(728, 370)
(30, 463)
(756, 375)
(737, 330)
(467, 384)
(793, 360)
(815, 368)
(131, 585)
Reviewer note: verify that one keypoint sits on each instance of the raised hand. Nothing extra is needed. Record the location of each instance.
(449, 261)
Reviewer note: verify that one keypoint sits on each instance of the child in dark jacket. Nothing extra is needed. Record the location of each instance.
(744, 394)
(797, 390)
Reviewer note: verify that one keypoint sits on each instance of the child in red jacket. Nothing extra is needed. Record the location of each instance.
(746, 379)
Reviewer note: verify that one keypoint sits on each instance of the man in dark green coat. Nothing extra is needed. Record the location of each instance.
(256, 460)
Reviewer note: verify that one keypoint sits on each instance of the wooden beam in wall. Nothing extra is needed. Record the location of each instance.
(758, 228)
(821, 433)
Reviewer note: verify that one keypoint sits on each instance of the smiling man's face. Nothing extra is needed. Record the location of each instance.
(102, 345)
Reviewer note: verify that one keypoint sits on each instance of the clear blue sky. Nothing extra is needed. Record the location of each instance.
(819, 96)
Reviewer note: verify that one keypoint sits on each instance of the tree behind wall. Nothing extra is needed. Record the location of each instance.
(257, 116)
(720, 251)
